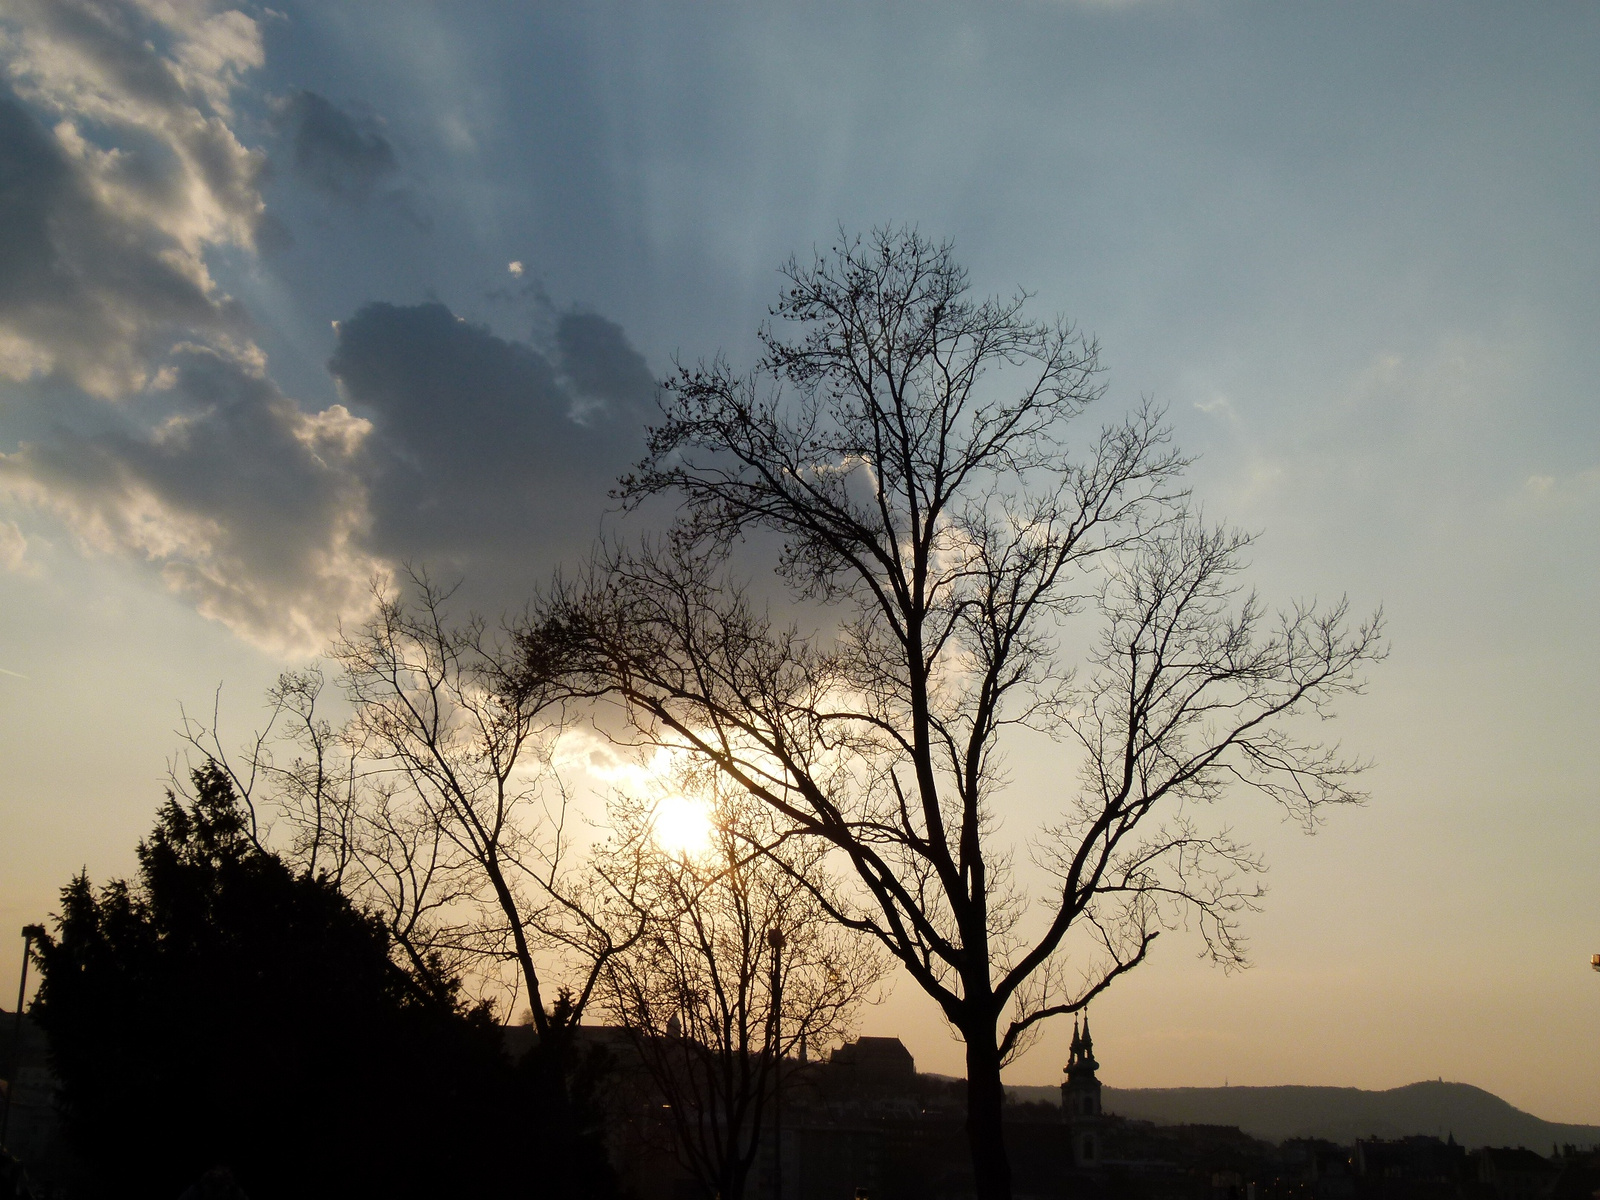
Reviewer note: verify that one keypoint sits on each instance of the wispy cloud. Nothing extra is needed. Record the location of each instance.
(1218, 405)
(1564, 490)
(345, 156)
(14, 550)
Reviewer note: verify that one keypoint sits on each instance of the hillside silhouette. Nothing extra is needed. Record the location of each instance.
(1341, 1114)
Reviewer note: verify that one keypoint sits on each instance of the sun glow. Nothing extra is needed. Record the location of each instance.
(682, 826)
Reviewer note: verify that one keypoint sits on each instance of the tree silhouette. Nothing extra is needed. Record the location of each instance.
(435, 805)
(914, 451)
(226, 1012)
(738, 967)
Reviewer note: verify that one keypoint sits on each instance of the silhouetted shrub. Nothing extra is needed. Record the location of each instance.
(226, 1012)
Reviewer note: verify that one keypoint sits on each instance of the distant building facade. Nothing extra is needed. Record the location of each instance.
(876, 1062)
(1517, 1173)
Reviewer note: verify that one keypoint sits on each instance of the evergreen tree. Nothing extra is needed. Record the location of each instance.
(226, 1012)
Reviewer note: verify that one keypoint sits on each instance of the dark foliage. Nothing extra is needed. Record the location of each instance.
(226, 1012)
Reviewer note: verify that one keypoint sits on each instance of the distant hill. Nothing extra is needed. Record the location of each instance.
(1474, 1116)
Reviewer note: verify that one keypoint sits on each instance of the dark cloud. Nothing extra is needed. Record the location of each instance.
(488, 459)
(343, 156)
(118, 170)
(602, 368)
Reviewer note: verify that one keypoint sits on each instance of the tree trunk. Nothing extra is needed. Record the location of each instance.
(991, 1168)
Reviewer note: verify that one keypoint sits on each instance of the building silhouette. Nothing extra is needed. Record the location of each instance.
(1080, 1100)
(864, 1119)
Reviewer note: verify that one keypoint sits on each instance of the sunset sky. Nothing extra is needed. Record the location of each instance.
(291, 295)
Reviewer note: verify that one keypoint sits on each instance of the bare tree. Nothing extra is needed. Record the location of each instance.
(462, 729)
(434, 804)
(910, 447)
(739, 965)
(309, 789)
(436, 721)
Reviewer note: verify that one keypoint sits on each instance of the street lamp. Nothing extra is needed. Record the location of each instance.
(775, 939)
(30, 934)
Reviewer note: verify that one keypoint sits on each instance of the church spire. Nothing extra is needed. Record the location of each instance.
(1080, 1056)
(1080, 1097)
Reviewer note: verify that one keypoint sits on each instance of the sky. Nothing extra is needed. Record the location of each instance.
(292, 295)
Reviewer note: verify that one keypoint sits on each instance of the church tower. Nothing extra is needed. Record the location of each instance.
(1080, 1098)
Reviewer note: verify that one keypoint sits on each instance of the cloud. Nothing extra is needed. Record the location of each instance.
(120, 171)
(106, 214)
(14, 550)
(250, 507)
(608, 374)
(471, 454)
(1568, 490)
(1219, 405)
(488, 457)
(342, 156)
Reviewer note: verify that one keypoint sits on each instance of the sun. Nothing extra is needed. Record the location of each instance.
(682, 826)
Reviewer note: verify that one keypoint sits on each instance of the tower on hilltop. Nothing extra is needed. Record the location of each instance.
(1080, 1098)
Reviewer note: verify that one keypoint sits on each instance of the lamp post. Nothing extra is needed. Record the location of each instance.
(30, 933)
(775, 939)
